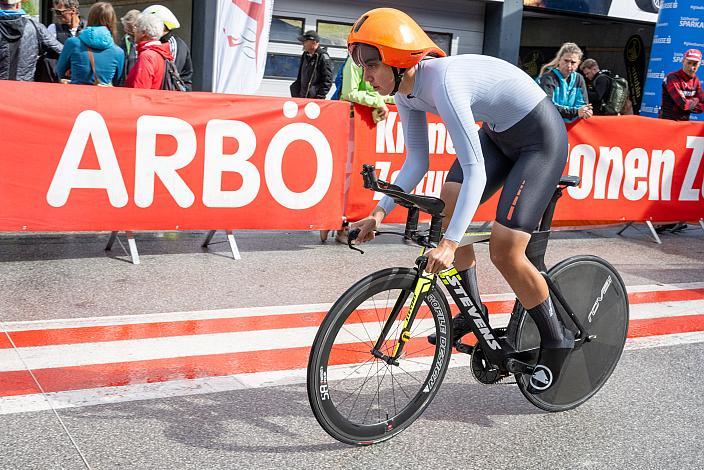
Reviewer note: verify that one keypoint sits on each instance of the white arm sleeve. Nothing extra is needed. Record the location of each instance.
(415, 133)
(455, 110)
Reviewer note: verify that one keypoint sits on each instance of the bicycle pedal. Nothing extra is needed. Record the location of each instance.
(463, 348)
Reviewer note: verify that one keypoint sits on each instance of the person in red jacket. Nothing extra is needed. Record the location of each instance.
(148, 71)
(681, 91)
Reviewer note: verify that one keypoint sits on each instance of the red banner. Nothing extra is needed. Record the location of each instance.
(632, 168)
(92, 158)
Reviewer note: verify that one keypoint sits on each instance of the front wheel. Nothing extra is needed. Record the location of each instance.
(358, 398)
(597, 296)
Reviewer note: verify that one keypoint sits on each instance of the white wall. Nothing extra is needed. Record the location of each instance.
(463, 18)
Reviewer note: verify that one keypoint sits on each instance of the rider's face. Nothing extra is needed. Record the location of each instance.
(380, 76)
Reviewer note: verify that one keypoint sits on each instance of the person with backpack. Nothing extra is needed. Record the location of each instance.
(567, 89)
(152, 55)
(23, 42)
(179, 48)
(93, 57)
(607, 93)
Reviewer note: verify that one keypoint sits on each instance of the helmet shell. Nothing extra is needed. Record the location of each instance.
(400, 40)
(164, 14)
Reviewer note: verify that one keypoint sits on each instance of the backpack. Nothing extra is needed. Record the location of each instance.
(338, 84)
(616, 100)
(172, 79)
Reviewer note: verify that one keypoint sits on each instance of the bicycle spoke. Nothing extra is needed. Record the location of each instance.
(357, 337)
(348, 375)
(410, 375)
(360, 392)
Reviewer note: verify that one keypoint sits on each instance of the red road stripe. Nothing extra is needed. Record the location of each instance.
(192, 367)
(163, 370)
(94, 334)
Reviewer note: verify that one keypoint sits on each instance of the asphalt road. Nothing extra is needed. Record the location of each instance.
(648, 416)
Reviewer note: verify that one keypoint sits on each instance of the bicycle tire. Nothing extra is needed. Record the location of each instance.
(581, 280)
(356, 321)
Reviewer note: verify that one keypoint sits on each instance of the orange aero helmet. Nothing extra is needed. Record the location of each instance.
(398, 38)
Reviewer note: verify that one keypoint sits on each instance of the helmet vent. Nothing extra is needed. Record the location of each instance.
(360, 23)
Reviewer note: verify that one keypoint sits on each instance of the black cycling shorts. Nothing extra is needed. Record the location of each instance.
(527, 160)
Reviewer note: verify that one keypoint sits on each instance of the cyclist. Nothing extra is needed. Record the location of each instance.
(522, 146)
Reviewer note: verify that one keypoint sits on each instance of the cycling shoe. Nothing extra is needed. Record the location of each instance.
(549, 366)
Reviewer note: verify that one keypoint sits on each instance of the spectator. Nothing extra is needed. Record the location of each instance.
(564, 85)
(22, 40)
(93, 57)
(598, 85)
(67, 21)
(152, 54)
(315, 70)
(682, 91)
(179, 49)
(128, 43)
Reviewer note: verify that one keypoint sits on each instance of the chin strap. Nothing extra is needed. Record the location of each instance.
(398, 76)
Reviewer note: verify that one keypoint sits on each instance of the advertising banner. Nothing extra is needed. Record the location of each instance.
(640, 10)
(85, 158)
(656, 174)
(634, 57)
(680, 27)
(241, 41)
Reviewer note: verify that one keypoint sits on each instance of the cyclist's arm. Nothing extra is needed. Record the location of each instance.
(459, 119)
(415, 131)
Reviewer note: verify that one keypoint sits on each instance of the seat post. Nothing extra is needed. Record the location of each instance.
(546, 221)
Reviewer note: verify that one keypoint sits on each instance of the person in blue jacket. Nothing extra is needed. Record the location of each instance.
(567, 88)
(96, 39)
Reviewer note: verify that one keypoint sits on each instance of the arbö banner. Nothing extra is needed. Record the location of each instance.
(99, 159)
(680, 27)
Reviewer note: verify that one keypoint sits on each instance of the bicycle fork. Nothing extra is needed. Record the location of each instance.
(421, 286)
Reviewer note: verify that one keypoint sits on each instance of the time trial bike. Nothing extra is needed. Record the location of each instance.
(372, 370)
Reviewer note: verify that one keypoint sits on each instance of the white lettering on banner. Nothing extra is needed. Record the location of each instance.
(216, 163)
(430, 185)
(609, 157)
(638, 174)
(68, 175)
(149, 165)
(388, 141)
(634, 188)
(688, 191)
(662, 166)
(274, 159)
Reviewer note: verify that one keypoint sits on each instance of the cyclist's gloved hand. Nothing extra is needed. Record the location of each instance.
(366, 228)
(442, 257)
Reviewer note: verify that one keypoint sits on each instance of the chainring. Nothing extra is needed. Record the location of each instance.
(482, 370)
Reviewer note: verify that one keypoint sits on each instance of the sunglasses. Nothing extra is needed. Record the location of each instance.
(59, 11)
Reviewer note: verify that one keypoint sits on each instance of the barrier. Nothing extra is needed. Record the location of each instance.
(83, 158)
(632, 168)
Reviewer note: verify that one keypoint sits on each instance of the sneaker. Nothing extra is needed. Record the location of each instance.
(549, 366)
(341, 236)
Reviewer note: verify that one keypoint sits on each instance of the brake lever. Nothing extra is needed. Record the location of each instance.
(352, 236)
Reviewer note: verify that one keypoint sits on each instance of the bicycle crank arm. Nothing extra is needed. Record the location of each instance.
(515, 366)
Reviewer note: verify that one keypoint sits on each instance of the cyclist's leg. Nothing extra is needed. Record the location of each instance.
(539, 145)
(497, 167)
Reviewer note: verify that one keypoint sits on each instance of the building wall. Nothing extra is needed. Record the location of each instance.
(464, 19)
